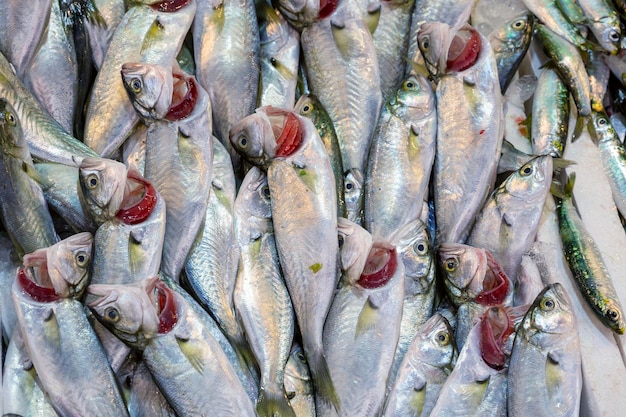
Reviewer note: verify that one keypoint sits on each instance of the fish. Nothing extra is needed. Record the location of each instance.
(362, 330)
(428, 362)
(507, 224)
(400, 159)
(546, 357)
(550, 114)
(585, 261)
(303, 13)
(23, 209)
(353, 183)
(604, 22)
(298, 383)
(178, 349)
(261, 298)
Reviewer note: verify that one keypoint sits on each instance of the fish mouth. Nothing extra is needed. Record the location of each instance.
(327, 7)
(37, 292)
(184, 97)
(495, 283)
(287, 129)
(464, 50)
(380, 266)
(164, 301)
(139, 199)
(169, 6)
(495, 327)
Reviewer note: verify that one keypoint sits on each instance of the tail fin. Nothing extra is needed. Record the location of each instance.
(321, 378)
(271, 404)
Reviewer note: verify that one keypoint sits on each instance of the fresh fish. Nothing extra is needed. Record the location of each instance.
(23, 210)
(550, 114)
(362, 330)
(73, 371)
(507, 224)
(423, 371)
(146, 399)
(279, 57)
(148, 33)
(179, 153)
(604, 22)
(102, 184)
(102, 28)
(298, 385)
(545, 374)
(469, 125)
(586, 263)
(304, 213)
(571, 9)
(211, 269)
(477, 386)
(46, 139)
(529, 282)
(401, 158)
(178, 349)
(489, 15)
(353, 184)
(413, 245)
(310, 107)
(512, 158)
(570, 67)
(613, 156)
(231, 79)
(261, 297)
(510, 43)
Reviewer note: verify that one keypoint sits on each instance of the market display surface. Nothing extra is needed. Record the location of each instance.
(312, 208)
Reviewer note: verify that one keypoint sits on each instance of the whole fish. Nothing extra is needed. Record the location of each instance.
(507, 224)
(179, 153)
(424, 369)
(231, 79)
(211, 269)
(604, 22)
(310, 107)
(469, 125)
(148, 33)
(261, 297)
(586, 263)
(23, 209)
(550, 114)
(545, 374)
(298, 384)
(401, 158)
(413, 245)
(279, 56)
(73, 371)
(304, 214)
(362, 330)
(510, 43)
(183, 357)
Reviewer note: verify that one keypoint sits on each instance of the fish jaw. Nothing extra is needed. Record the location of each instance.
(149, 87)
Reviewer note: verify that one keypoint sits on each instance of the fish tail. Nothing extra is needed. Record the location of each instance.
(322, 381)
(271, 404)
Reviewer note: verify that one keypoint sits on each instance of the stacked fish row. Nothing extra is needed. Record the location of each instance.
(230, 208)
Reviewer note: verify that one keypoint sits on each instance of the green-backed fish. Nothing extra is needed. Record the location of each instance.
(550, 114)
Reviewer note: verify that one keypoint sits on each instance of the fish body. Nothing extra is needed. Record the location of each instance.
(551, 110)
(401, 158)
(546, 356)
(298, 384)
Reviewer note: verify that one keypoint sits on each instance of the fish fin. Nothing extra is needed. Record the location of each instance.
(418, 396)
(342, 38)
(558, 164)
(581, 121)
(322, 381)
(35, 175)
(418, 68)
(156, 32)
(367, 318)
(270, 404)
(217, 17)
(373, 16)
(419, 384)
(191, 352)
(591, 46)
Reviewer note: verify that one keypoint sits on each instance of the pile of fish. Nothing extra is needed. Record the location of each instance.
(331, 208)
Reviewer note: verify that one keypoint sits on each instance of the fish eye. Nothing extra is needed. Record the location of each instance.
(243, 141)
(81, 258)
(349, 186)
(425, 44)
(519, 24)
(135, 85)
(111, 314)
(10, 118)
(300, 357)
(443, 338)
(340, 240)
(526, 170)
(420, 248)
(451, 265)
(612, 314)
(613, 36)
(273, 61)
(547, 304)
(92, 181)
(266, 191)
(306, 109)
(602, 121)
(291, 395)
(409, 85)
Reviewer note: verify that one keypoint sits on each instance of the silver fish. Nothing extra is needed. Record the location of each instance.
(146, 399)
(550, 114)
(604, 22)
(102, 185)
(298, 384)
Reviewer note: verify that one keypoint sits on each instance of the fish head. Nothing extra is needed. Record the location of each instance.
(437, 342)
(415, 251)
(413, 99)
(254, 195)
(550, 313)
(302, 13)
(10, 130)
(531, 183)
(308, 106)
(448, 49)
(355, 244)
(149, 87)
(461, 265)
(610, 30)
(515, 33)
(253, 138)
(129, 311)
(353, 182)
(64, 265)
(102, 183)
